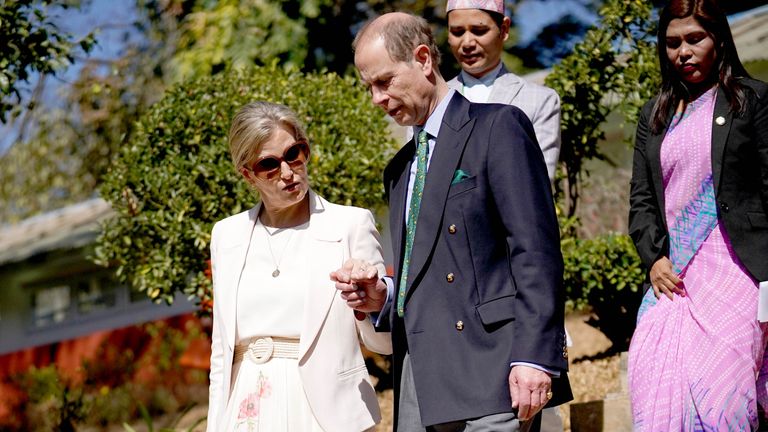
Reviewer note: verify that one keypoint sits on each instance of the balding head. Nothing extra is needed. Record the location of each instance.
(406, 83)
(401, 34)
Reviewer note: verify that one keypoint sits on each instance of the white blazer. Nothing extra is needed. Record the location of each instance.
(331, 365)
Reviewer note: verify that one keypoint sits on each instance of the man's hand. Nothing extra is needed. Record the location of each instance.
(360, 286)
(664, 280)
(529, 389)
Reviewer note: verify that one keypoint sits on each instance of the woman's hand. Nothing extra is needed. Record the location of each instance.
(360, 286)
(664, 280)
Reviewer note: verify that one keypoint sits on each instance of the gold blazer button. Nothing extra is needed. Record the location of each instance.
(449, 277)
(452, 229)
(459, 325)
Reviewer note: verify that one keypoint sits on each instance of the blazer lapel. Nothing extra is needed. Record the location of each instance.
(653, 150)
(450, 144)
(327, 253)
(506, 86)
(239, 255)
(721, 127)
(397, 196)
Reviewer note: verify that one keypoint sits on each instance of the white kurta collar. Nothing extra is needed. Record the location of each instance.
(479, 89)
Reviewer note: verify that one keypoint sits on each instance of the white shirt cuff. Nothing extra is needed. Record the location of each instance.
(375, 316)
(550, 372)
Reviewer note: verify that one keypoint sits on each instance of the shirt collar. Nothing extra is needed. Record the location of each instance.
(432, 125)
(486, 80)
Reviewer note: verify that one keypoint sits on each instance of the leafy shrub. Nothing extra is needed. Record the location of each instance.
(111, 366)
(136, 371)
(52, 402)
(174, 178)
(110, 405)
(605, 275)
(614, 67)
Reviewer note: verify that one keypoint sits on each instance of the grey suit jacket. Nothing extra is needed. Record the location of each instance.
(541, 104)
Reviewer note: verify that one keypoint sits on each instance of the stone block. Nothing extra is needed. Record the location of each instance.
(611, 414)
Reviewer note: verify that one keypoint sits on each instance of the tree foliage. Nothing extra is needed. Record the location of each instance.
(554, 42)
(32, 43)
(241, 33)
(614, 67)
(68, 149)
(174, 178)
(62, 154)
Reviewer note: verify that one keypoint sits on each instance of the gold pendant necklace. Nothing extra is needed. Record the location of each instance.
(276, 271)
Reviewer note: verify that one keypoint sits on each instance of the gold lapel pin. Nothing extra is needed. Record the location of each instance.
(720, 120)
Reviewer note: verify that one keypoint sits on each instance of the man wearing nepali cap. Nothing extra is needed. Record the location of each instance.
(477, 31)
(476, 304)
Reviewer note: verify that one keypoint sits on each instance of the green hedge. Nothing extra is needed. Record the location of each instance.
(174, 178)
(605, 275)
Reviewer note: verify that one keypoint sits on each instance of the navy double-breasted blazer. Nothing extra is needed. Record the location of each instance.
(740, 171)
(485, 278)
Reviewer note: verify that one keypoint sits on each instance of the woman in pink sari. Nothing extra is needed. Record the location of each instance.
(698, 206)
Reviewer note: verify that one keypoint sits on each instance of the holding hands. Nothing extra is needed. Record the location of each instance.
(360, 286)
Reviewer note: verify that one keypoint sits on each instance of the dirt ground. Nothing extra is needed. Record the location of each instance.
(590, 379)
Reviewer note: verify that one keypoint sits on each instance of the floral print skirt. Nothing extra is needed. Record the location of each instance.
(268, 397)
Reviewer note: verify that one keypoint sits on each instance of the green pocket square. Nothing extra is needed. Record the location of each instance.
(459, 176)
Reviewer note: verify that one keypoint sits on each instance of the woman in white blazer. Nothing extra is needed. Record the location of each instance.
(285, 348)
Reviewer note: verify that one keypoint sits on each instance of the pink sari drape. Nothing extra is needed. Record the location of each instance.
(695, 362)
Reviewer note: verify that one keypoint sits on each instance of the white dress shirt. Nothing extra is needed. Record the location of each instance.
(479, 89)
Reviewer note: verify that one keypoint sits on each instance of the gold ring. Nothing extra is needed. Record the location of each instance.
(549, 395)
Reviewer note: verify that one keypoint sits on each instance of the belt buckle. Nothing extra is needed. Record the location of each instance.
(265, 344)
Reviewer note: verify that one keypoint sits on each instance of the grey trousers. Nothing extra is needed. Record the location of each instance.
(409, 418)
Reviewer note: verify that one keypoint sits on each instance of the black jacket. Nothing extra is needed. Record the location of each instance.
(740, 171)
(485, 278)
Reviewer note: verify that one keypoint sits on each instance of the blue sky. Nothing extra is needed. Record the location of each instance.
(533, 15)
(114, 18)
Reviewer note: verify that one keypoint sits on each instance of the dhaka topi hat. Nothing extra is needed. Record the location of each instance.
(489, 5)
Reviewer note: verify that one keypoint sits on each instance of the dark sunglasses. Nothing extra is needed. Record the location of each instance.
(294, 156)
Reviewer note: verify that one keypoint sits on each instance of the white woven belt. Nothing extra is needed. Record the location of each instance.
(261, 349)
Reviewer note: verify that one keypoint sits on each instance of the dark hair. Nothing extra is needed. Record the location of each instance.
(401, 36)
(727, 64)
(496, 17)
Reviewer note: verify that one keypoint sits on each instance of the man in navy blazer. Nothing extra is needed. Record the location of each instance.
(479, 341)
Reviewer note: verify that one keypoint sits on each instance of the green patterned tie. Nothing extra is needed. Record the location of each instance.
(413, 214)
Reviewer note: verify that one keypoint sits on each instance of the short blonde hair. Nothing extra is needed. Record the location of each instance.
(254, 124)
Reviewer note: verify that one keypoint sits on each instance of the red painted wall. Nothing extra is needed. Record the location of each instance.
(69, 355)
